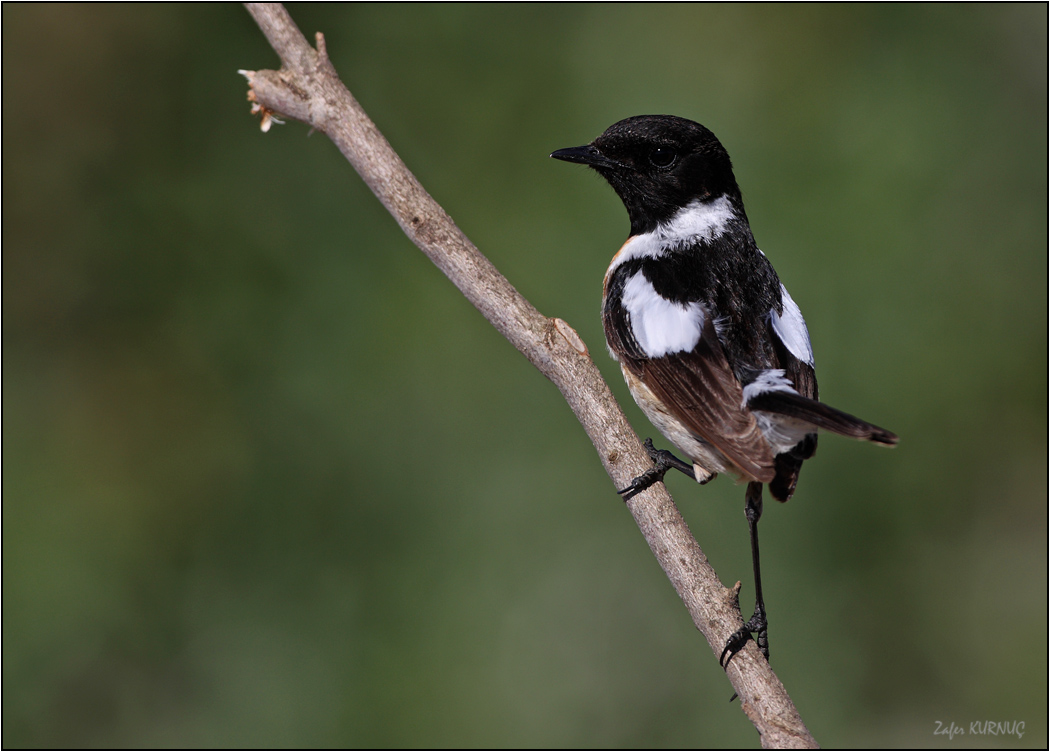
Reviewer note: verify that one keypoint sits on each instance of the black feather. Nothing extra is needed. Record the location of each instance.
(819, 415)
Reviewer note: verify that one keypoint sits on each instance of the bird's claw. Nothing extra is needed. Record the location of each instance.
(756, 624)
(663, 461)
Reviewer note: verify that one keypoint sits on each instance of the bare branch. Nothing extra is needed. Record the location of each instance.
(307, 88)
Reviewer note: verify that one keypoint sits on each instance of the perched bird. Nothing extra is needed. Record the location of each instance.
(714, 350)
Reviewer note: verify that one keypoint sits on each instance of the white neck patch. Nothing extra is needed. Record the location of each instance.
(697, 221)
(660, 326)
(791, 328)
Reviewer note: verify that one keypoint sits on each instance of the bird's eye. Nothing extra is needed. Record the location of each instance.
(663, 156)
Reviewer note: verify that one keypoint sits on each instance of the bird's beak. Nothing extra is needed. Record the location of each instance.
(587, 155)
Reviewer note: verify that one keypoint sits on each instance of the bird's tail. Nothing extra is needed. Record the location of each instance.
(819, 415)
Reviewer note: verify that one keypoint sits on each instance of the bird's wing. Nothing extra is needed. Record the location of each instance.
(787, 333)
(800, 374)
(698, 387)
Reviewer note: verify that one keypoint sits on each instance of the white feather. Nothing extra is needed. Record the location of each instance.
(697, 221)
(772, 380)
(780, 432)
(791, 328)
(661, 326)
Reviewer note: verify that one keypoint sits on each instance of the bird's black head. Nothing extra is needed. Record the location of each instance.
(657, 164)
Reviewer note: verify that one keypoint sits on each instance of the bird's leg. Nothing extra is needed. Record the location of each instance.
(757, 622)
(663, 461)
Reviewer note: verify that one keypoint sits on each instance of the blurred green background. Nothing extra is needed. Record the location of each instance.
(268, 480)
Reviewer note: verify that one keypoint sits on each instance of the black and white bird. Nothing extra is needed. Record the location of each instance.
(713, 348)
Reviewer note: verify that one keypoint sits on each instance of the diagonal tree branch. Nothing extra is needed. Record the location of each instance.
(307, 88)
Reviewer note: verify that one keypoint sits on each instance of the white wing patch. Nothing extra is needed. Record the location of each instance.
(695, 222)
(661, 326)
(791, 328)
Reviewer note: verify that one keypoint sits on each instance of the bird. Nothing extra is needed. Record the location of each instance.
(713, 348)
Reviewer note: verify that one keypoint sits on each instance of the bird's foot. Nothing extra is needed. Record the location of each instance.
(663, 461)
(756, 625)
